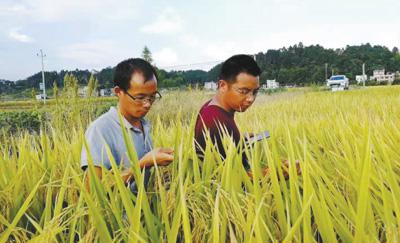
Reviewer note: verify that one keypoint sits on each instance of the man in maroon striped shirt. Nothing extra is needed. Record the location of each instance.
(237, 89)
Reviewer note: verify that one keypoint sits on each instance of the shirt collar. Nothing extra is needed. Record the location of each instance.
(115, 116)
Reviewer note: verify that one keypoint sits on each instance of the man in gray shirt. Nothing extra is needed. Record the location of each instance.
(135, 83)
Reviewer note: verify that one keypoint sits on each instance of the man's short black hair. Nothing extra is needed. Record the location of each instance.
(238, 64)
(125, 69)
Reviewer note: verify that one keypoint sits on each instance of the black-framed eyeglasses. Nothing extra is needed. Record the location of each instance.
(143, 98)
(247, 92)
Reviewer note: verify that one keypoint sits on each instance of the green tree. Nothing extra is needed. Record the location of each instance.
(146, 54)
(108, 84)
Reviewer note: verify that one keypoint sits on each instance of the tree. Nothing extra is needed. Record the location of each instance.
(146, 54)
(296, 64)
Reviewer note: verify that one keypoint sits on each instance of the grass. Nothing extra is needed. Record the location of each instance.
(347, 144)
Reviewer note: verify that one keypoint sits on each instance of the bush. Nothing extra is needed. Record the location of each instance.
(277, 90)
(371, 83)
(13, 122)
(396, 81)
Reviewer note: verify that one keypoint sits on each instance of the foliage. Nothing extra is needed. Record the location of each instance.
(300, 65)
(346, 143)
(146, 54)
(13, 122)
(294, 65)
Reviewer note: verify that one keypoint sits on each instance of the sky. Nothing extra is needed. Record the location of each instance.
(94, 34)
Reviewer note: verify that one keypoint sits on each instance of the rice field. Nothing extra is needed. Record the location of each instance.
(347, 144)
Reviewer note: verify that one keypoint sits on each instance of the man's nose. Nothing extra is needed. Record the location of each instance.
(251, 97)
(147, 103)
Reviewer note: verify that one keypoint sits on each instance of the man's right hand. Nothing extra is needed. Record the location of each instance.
(159, 156)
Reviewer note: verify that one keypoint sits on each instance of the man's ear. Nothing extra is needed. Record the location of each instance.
(222, 85)
(118, 91)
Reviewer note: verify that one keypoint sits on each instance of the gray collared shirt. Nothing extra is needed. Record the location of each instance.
(106, 131)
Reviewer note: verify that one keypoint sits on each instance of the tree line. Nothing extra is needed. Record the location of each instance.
(294, 65)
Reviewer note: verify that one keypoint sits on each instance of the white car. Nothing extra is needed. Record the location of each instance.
(338, 82)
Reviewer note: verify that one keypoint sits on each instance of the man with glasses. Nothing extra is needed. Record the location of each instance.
(238, 86)
(237, 90)
(135, 83)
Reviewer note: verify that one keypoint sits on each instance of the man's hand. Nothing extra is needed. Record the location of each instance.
(285, 167)
(159, 156)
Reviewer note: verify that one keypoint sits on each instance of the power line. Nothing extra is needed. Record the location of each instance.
(191, 64)
(201, 63)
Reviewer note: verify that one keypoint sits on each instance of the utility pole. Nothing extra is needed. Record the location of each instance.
(364, 76)
(43, 80)
(326, 71)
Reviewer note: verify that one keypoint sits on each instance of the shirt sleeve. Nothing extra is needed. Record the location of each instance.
(97, 148)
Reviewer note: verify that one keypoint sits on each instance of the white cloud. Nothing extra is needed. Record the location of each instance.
(165, 57)
(189, 40)
(221, 50)
(334, 36)
(93, 54)
(59, 10)
(8, 10)
(16, 35)
(168, 22)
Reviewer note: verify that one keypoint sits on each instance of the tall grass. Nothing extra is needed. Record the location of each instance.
(347, 144)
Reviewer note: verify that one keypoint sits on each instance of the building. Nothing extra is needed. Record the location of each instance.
(106, 92)
(272, 84)
(41, 97)
(210, 86)
(361, 78)
(380, 76)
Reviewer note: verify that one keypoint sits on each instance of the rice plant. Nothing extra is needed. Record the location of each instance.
(347, 144)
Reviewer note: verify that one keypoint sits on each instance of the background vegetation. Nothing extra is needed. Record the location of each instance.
(295, 65)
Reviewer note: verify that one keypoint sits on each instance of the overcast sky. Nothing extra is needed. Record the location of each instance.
(94, 34)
